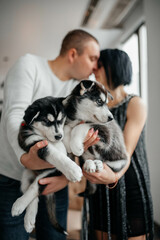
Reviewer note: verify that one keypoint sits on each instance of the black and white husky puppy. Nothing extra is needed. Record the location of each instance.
(44, 119)
(88, 102)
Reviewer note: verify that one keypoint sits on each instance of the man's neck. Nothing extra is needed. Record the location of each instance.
(59, 68)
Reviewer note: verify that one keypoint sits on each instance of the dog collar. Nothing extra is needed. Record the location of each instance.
(23, 124)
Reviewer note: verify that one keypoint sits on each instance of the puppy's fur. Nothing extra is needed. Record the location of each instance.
(88, 102)
(44, 119)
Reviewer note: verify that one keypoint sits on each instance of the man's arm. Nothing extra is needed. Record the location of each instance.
(18, 93)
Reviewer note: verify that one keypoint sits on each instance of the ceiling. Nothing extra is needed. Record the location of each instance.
(38, 26)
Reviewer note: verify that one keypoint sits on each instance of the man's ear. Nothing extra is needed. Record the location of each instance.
(72, 54)
(31, 113)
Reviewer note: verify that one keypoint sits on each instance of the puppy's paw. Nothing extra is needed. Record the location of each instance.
(74, 173)
(89, 166)
(18, 207)
(77, 149)
(99, 165)
(29, 221)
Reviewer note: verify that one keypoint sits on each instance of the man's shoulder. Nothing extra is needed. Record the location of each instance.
(27, 62)
(30, 61)
(30, 57)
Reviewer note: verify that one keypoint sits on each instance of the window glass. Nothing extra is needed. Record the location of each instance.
(132, 49)
(143, 62)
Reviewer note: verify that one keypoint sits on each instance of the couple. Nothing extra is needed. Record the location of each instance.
(33, 77)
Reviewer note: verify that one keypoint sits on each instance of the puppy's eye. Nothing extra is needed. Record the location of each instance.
(99, 102)
(45, 121)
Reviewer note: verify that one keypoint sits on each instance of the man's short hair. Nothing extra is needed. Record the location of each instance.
(76, 39)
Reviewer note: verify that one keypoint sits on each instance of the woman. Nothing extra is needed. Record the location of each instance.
(124, 209)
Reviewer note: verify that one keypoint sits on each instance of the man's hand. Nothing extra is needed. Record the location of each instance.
(54, 184)
(91, 139)
(31, 160)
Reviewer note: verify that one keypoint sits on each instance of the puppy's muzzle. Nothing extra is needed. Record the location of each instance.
(110, 118)
(58, 137)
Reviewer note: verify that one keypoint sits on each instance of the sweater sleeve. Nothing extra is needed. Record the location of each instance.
(18, 94)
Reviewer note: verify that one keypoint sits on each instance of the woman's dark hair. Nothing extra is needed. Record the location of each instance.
(117, 65)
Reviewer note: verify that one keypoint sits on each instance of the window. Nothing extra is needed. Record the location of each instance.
(136, 47)
(132, 49)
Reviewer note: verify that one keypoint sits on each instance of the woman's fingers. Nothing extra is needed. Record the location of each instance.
(89, 135)
(106, 176)
(91, 139)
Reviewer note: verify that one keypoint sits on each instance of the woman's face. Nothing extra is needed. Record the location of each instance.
(101, 77)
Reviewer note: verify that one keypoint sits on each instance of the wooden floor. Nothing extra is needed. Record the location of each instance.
(74, 227)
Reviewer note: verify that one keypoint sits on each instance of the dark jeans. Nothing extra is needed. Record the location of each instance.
(12, 228)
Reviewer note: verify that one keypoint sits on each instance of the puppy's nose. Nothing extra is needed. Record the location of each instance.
(110, 118)
(58, 137)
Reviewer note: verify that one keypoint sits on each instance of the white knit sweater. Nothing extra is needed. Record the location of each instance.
(29, 79)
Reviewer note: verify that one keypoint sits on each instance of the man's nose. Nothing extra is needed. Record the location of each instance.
(95, 70)
(95, 67)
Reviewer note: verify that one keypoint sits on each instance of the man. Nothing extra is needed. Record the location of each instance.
(31, 78)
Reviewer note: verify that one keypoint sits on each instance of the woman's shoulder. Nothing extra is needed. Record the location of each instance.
(136, 102)
(137, 108)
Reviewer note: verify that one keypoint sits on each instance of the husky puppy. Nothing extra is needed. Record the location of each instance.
(88, 103)
(44, 119)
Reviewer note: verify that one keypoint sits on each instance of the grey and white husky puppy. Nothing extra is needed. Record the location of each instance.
(88, 103)
(44, 119)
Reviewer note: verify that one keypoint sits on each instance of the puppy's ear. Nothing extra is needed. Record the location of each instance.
(31, 113)
(109, 96)
(65, 100)
(86, 85)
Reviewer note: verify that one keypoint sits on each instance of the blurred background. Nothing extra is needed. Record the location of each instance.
(38, 27)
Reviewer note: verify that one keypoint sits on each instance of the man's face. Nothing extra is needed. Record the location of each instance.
(86, 63)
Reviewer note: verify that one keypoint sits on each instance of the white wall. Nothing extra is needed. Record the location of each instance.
(152, 13)
(149, 11)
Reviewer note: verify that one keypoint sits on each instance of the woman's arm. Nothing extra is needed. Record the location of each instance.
(136, 118)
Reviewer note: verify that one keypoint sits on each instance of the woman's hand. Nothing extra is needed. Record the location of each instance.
(31, 160)
(91, 139)
(106, 176)
(54, 184)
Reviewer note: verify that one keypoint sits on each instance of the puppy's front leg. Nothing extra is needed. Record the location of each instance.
(78, 135)
(63, 163)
